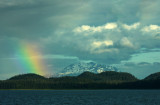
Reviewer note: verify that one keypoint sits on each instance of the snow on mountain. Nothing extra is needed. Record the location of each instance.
(76, 69)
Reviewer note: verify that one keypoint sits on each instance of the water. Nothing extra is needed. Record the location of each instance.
(79, 97)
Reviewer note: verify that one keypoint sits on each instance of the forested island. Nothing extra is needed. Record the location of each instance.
(86, 80)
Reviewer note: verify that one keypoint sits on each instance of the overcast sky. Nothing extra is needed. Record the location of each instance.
(125, 33)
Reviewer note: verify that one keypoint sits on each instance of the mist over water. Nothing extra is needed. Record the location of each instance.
(79, 97)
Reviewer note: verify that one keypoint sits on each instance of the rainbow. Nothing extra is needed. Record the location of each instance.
(30, 60)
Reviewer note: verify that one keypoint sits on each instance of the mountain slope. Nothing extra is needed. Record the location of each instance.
(154, 76)
(86, 80)
(123, 76)
(109, 76)
(29, 76)
(76, 69)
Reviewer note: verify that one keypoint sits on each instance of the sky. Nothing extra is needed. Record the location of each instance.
(52, 34)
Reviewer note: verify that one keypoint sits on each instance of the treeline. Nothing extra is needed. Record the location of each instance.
(86, 80)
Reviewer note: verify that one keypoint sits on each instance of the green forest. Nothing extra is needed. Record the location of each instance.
(86, 80)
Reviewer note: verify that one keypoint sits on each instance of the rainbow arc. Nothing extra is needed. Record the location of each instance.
(30, 59)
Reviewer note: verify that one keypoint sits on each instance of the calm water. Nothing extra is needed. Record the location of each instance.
(80, 97)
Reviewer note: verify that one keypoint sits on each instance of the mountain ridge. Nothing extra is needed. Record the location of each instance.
(78, 68)
(26, 76)
(86, 80)
(154, 76)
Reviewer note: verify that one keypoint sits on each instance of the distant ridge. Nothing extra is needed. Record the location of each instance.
(154, 76)
(109, 76)
(78, 68)
(27, 76)
(86, 80)
(87, 74)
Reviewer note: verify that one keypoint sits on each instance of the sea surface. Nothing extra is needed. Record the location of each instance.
(79, 97)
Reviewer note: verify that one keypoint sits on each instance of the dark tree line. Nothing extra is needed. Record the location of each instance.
(86, 80)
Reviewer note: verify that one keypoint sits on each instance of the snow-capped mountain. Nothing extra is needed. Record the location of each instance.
(76, 69)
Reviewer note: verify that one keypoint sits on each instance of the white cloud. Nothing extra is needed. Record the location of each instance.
(97, 44)
(110, 26)
(129, 27)
(126, 42)
(84, 28)
(151, 28)
(108, 43)
(100, 47)
(87, 28)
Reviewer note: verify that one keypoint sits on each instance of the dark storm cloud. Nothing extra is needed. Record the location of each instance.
(55, 20)
(102, 31)
(34, 19)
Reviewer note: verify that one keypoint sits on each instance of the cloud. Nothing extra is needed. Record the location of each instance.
(129, 27)
(106, 45)
(93, 29)
(128, 64)
(98, 47)
(149, 12)
(145, 55)
(105, 32)
(110, 26)
(44, 57)
(141, 69)
(157, 35)
(151, 28)
(99, 51)
(34, 19)
(126, 42)
(6, 3)
(143, 64)
(100, 43)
